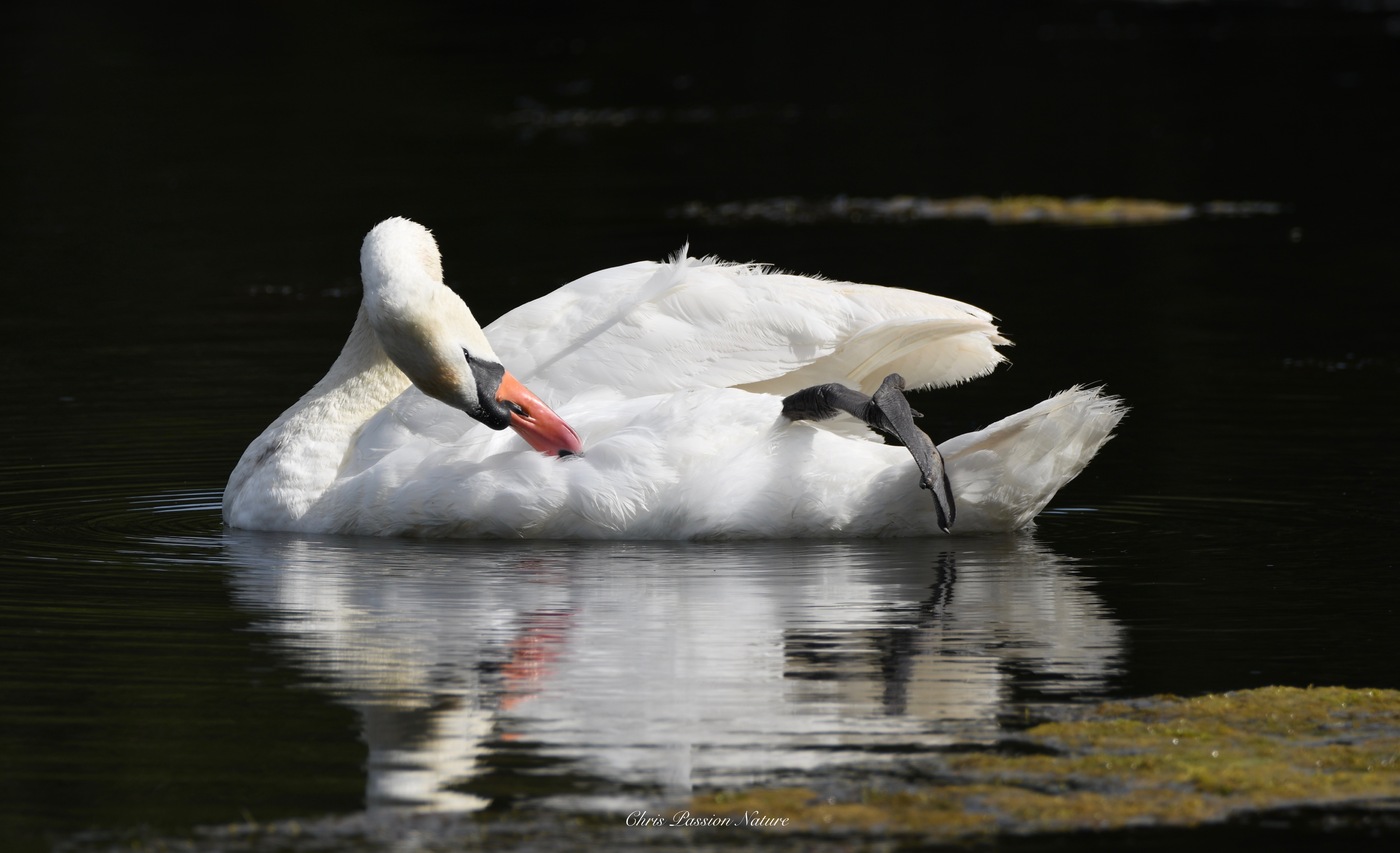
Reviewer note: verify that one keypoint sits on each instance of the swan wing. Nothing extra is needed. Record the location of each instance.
(648, 328)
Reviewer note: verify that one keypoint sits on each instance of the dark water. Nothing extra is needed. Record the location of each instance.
(183, 203)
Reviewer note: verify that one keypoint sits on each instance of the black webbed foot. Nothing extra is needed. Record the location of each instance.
(888, 413)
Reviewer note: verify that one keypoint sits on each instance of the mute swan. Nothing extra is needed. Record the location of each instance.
(670, 381)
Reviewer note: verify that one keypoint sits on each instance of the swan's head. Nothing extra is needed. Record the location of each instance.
(431, 335)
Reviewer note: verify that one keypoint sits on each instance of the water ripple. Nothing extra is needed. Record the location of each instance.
(102, 525)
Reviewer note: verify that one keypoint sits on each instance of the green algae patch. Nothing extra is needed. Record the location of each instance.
(1162, 761)
(936, 809)
(1079, 211)
(1068, 211)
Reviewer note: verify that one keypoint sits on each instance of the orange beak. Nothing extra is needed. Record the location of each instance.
(536, 422)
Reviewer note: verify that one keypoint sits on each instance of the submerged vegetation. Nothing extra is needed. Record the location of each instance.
(1007, 210)
(1163, 761)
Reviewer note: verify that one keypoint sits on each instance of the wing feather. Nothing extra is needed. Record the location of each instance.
(648, 328)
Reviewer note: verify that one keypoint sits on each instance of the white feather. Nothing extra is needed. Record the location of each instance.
(647, 328)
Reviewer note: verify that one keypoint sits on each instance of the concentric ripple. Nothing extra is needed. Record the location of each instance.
(90, 524)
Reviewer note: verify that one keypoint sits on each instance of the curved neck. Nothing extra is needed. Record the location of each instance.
(287, 468)
(361, 382)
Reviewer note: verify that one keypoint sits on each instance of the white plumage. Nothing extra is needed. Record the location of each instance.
(648, 328)
(672, 375)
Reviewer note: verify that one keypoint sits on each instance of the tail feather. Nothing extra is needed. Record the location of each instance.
(1003, 475)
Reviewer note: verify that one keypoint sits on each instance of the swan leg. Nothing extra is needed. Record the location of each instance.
(888, 413)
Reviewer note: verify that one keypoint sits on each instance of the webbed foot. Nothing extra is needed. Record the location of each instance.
(888, 413)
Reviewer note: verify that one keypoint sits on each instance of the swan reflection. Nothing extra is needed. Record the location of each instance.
(592, 669)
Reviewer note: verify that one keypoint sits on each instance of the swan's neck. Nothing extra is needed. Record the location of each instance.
(298, 457)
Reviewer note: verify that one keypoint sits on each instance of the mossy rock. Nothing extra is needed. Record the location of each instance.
(1163, 761)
